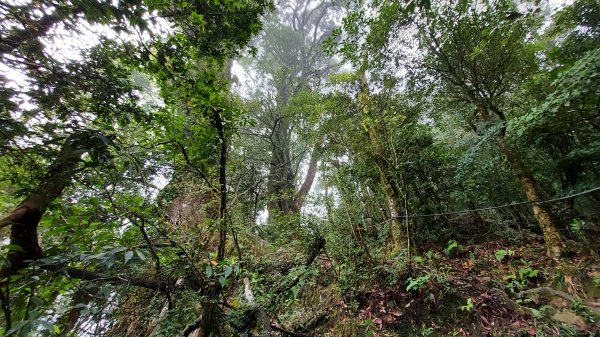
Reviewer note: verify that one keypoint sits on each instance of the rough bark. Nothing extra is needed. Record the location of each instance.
(285, 198)
(280, 187)
(392, 197)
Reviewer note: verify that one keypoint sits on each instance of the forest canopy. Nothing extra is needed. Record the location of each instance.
(299, 168)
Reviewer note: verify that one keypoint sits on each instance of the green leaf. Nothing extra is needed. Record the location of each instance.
(140, 255)
(45, 325)
(117, 250)
(209, 271)
(228, 271)
(501, 253)
(13, 248)
(128, 256)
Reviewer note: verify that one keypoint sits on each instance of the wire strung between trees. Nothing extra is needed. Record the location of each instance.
(501, 206)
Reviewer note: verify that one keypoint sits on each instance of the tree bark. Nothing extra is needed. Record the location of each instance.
(308, 181)
(25, 218)
(280, 189)
(379, 157)
(542, 213)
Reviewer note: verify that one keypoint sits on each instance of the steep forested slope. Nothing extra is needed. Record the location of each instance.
(300, 168)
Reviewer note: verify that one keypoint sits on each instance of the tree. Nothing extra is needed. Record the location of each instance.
(483, 58)
(294, 63)
(72, 117)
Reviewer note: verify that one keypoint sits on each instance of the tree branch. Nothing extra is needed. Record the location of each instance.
(142, 282)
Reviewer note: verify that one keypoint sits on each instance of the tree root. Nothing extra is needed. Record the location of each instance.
(547, 293)
(544, 292)
(511, 304)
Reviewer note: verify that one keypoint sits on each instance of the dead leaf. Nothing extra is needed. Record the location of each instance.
(395, 313)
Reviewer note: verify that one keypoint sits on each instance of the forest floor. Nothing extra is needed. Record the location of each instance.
(485, 289)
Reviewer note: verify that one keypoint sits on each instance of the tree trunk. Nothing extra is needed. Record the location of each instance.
(379, 157)
(542, 213)
(311, 173)
(391, 198)
(281, 176)
(25, 218)
(222, 186)
(224, 146)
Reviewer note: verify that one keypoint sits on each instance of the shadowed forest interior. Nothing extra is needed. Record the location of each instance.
(299, 168)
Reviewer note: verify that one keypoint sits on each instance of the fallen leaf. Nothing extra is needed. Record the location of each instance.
(395, 313)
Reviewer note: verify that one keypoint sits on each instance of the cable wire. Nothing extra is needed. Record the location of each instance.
(501, 206)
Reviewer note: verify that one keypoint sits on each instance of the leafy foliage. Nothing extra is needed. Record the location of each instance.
(232, 167)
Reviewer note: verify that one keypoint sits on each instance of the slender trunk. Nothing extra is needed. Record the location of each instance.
(220, 127)
(222, 186)
(542, 213)
(308, 181)
(208, 323)
(379, 157)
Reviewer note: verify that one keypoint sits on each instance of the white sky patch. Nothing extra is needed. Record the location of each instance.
(262, 216)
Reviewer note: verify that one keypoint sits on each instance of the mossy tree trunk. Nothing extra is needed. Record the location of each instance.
(542, 213)
(379, 157)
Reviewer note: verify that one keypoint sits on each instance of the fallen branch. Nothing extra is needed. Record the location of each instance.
(315, 250)
(314, 323)
(192, 327)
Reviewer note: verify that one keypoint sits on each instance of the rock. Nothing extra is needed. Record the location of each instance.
(569, 317)
(559, 302)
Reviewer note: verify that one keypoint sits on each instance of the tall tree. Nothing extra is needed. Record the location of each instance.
(293, 61)
(483, 58)
(72, 115)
